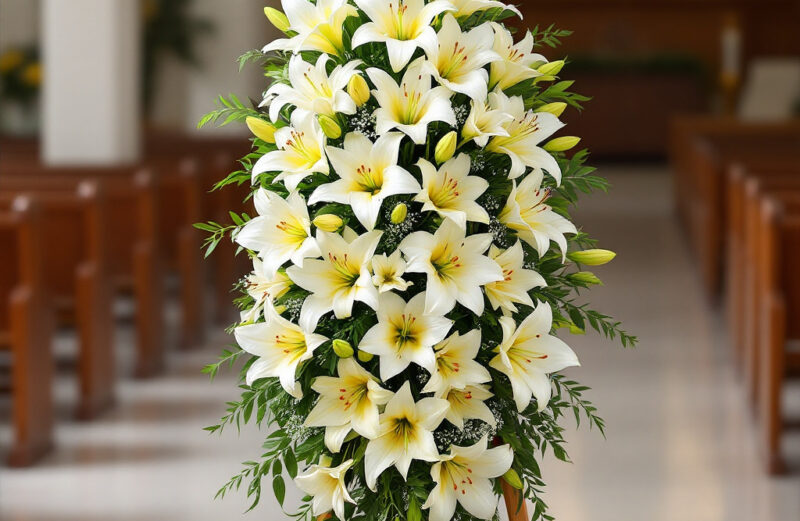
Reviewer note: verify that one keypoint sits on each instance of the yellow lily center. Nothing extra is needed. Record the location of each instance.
(445, 263)
(456, 474)
(451, 64)
(292, 343)
(444, 194)
(346, 272)
(353, 395)
(369, 180)
(406, 332)
(297, 143)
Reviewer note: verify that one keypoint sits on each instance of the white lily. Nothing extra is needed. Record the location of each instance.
(517, 60)
(518, 281)
(455, 265)
(535, 222)
(388, 272)
(467, 403)
(281, 231)
(455, 363)
(485, 121)
(525, 131)
(457, 59)
(411, 106)
(319, 26)
(327, 486)
(339, 279)
(451, 191)
(312, 90)
(405, 333)
(368, 174)
(347, 402)
(406, 433)
(280, 346)
(465, 8)
(528, 354)
(263, 287)
(301, 152)
(403, 24)
(464, 476)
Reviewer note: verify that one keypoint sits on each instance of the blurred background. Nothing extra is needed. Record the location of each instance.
(108, 310)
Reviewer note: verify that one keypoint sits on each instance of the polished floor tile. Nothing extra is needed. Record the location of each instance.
(680, 443)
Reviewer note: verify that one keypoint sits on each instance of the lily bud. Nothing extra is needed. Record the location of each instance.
(512, 478)
(358, 89)
(365, 357)
(557, 108)
(278, 19)
(446, 147)
(263, 130)
(551, 68)
(399, 213)
(328, 222)
(330, 127)
(542, 78)
(280, 309)
(561, 144)
(575, 330)
(585, 277)
(592, 257)
(342, 348)
(325, 461)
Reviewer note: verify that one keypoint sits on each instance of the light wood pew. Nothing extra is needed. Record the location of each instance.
(74, 233)
(779, 308)
(134, 261)
(753, 257)
(769, 174)
(26, 325)
(705, 193)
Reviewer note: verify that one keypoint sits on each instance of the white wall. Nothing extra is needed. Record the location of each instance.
(19, 21)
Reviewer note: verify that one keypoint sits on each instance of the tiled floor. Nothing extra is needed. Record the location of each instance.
(680, 442)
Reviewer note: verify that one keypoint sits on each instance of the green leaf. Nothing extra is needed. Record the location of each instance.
(279, 488)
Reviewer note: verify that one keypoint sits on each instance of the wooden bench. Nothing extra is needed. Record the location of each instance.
(78, 285)
(133, 241)
(779, 307)
(26, 325)
(704, 193)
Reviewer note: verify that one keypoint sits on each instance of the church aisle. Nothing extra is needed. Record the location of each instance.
(680, 442)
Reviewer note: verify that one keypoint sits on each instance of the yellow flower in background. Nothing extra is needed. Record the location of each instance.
(10, 60)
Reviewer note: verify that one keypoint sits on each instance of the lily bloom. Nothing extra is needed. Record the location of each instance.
(527, 213)
(529, 353)
(339, 279)
(388, 272)
(451, 191)
(456, 365)
(280, 346)
(525, 131)
(456, 59)
(411, 106)
(406, 433)
(368, 174)
(455, 265)
(485, 121)
(301, 152)
(514, 288)
(403, 24)
(517, 60)
(347, 402)
(327, 486)
(467, 403)
(464, 8)
(281, 231)
(312, 89)
(319, 26)
(263, 287)
(464, 476)
(405, 333)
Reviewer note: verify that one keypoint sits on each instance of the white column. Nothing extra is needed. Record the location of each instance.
(91, 51)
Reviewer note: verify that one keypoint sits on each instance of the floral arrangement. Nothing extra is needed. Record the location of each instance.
(413, 257)
(20, 75)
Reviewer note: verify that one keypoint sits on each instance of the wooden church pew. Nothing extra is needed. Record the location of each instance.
(79, 290)
(133, 230)
(705, 192)
(756, 190)
(744, 185)
(779, 306)
(26, 331)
